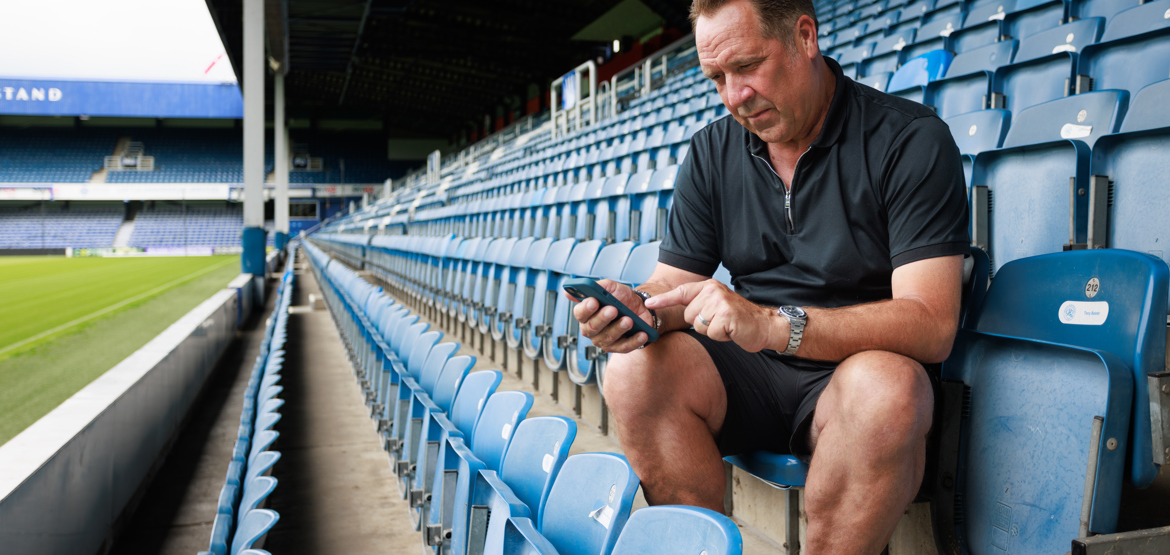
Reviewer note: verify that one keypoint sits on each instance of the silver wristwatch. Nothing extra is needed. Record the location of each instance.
(653, 315)
(797, 318)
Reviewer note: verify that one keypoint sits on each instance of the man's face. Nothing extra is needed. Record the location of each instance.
(763, 82)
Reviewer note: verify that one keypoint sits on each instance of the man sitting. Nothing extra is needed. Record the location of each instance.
(841, 214)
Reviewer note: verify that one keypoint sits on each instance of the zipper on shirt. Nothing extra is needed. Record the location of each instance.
(788, 189)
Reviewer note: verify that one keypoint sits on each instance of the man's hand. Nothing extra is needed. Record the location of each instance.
(729, 316)
(601, 327)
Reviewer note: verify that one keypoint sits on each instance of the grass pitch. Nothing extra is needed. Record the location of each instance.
(66, 321)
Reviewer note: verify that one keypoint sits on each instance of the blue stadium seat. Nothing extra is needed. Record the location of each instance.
(256, 492)
(252, 529)
(1046, 368)
(415, 392)
(589, 504)
(489, 443)
(976, 132)
(667, 530)
(441, 428)
(1028, 212)
(1135, 164)
(545, 292)
(509, 288)
(1134, 51)
(560, 345)
(538, 449)
(911, 79)
(886, 54)
(968, 79)
(1043, 67)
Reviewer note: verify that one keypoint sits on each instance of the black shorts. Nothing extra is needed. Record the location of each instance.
(770, 398)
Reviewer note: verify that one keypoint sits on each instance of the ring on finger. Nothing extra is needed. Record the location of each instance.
(704, 320)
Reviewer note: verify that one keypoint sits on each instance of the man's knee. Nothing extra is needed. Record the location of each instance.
(668, 374)
(885, 390)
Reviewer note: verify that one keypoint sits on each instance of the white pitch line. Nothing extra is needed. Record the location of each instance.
(112, 307)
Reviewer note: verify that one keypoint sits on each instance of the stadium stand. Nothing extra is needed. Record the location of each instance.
(241, 521)
(179, 226)
(1060, 121)
(53, 155)
(33, 226)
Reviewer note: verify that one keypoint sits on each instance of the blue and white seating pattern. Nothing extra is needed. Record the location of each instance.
(480, 476)
(241, 521)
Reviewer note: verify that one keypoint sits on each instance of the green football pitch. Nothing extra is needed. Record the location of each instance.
(66, 321)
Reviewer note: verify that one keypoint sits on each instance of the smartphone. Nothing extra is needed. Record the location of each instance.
(580, 288)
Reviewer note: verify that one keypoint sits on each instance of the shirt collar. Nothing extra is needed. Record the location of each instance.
(834, 119)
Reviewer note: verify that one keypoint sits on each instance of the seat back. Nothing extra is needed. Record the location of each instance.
(921, 70)
(979, 131)
(640, 264)
(503, 411)
(1108, 300)
(538, 450)
(1070, 37)
(253, 526)
(417, 353)
(1084, 117)
(1137, 20)
(472, 397)
(589, 504)
(450, 379)
(436, 360)
(667, 530)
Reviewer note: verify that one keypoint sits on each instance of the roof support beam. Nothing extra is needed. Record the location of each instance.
(356, 43)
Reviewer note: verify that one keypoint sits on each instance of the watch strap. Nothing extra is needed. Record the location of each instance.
(654, 321)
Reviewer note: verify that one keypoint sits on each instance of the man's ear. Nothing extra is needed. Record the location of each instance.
(805, 37)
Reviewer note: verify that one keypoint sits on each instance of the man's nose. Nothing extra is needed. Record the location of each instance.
(738, 94)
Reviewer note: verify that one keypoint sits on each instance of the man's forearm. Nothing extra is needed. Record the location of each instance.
(904, 326)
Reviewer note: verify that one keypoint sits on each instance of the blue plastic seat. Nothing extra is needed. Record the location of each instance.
(1045, 366)
(1135, 162)
(968, 79)
(509, 283)
(650, 202)
(254, 526)
(976, 132)
(439, 429)
(488, 444)
(1133, 52)
(667, 530)
(538, 449)
(519, 317)
(256, 492)
(886, 53)
(495, 276)
(545, 292)
(911, 79)
(1029, 178)
(414, 403)
(1044, 66)
(589, 504)
(559, 345)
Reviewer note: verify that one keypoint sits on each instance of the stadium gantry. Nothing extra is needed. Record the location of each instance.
(446, 287)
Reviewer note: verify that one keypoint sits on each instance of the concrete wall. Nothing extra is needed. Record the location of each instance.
(65, 481)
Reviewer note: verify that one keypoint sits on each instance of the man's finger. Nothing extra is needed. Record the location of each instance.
(628, 344)
(681, 295)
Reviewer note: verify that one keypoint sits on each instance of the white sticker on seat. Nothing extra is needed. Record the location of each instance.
(603, 515)
(506, 432)
(1074, 131)
(547, 464)
(1064, 48)
(1084, 313)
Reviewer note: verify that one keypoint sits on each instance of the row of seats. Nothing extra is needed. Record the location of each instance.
(1034, 354)
(53, 156)
(479, 475)
(241, 521)
(31, 228)
(176, 227)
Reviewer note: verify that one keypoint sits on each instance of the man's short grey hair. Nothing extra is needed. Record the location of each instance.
(777, 17)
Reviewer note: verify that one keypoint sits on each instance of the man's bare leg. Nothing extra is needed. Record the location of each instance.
(668, 404)
(869, 435)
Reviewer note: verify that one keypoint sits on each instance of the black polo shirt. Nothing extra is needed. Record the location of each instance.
(881, 186)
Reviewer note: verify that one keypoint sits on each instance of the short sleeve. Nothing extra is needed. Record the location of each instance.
(691, 242)
(925, 194)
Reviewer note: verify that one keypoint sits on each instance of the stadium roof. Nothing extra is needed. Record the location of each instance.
(430, 67)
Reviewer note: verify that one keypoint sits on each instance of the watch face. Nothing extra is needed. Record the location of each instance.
(793, 311)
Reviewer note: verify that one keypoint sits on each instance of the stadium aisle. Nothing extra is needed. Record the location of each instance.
(176, 513)
(336, 492)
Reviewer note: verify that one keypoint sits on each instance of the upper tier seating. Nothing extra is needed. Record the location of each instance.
(53, 155)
